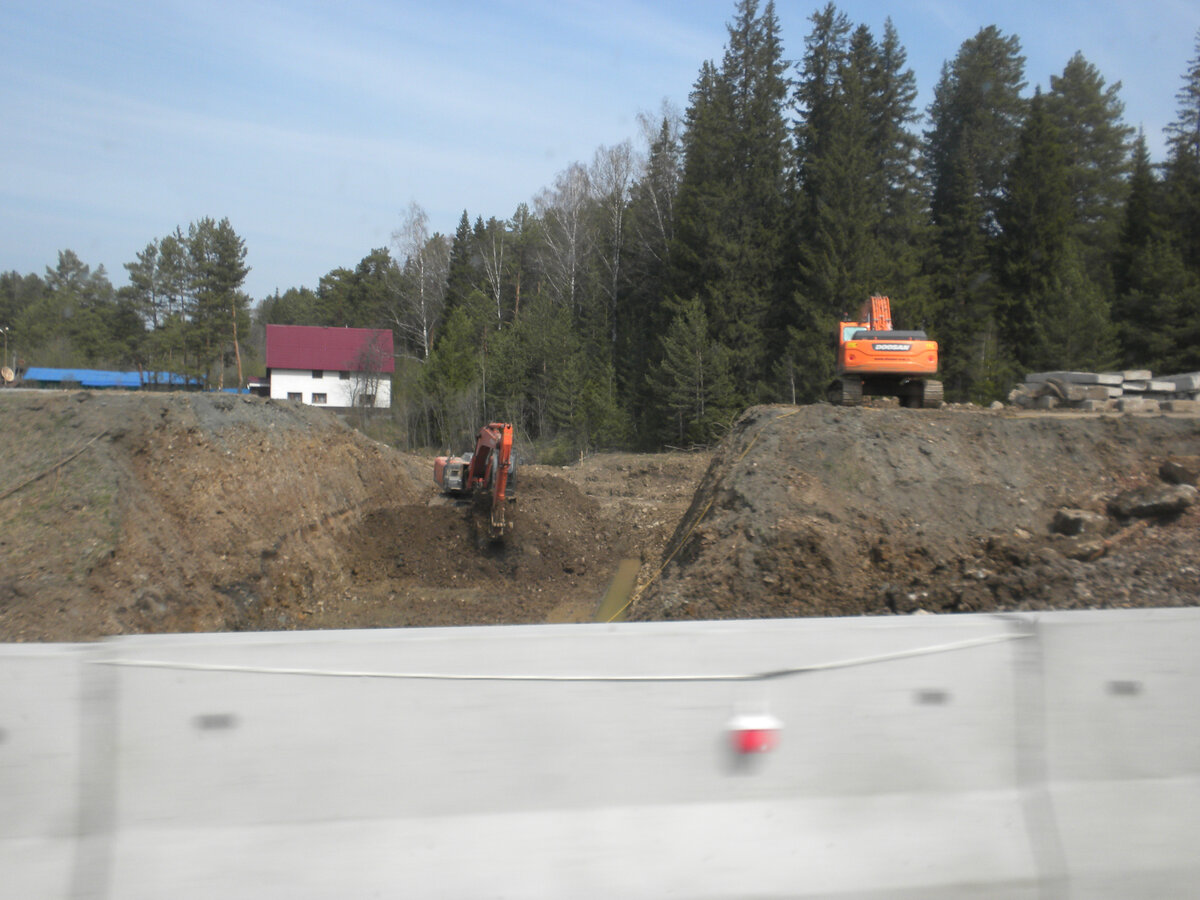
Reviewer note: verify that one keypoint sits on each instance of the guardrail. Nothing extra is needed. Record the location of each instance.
(1014, 755)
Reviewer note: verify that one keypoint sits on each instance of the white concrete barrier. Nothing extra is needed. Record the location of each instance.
(968, 756)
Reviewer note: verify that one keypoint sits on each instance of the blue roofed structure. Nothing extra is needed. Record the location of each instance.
(100, 378)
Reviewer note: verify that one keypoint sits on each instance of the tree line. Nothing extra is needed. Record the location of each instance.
(182, 311)
(647, 296)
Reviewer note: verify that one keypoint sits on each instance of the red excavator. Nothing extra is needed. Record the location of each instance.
(485, 475)
(874, 360)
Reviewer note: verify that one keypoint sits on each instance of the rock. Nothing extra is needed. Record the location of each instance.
(1073, 522)
(1181, 470)
(1152, 501)
(1085, 550)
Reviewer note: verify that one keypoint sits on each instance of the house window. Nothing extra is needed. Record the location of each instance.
(318, 399)
(345, 376)
(318, 373)
(292, 396)
(367, 399)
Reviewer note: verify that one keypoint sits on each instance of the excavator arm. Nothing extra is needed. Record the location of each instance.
(485, 474)
(494, 450)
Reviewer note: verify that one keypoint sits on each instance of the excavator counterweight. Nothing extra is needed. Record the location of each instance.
(875, 360)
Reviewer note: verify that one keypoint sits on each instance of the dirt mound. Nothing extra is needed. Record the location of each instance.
(126, 513)
(827, 511)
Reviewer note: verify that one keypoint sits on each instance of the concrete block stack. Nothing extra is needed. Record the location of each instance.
(1134, 390)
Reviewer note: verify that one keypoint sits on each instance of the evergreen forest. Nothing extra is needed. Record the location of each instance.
(649, 295)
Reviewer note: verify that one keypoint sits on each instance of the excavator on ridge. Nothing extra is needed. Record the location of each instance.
(485, 475)
(874, 360)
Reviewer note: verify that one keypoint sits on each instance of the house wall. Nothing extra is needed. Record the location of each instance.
(339, 392)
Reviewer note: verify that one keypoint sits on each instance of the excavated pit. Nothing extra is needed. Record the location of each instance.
(145, 512)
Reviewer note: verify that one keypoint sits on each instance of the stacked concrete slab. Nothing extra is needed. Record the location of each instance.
(1133, 390)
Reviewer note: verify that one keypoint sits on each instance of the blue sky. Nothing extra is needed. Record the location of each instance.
(313, 126)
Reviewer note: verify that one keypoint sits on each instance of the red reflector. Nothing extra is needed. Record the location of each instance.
(754, 734)
(755, 740)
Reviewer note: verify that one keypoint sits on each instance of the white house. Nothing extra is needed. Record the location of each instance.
(340, 367)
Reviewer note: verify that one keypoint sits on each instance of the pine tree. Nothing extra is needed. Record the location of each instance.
(704, 185)
(641, 315)
(462, 275)
(841, 186)
(451, 379)
(902, 231)
(71, 318)
(521, 272)
(1095, 144)
(693, 380)
(219, 310)
(145, 285)
(1157, 305)
(860, 208)
(373, 290)
(976, 117)
(1155, 313)
(17, 294)
(730, 211)
(1052, 313)
(1182, 171)
(1035, 218)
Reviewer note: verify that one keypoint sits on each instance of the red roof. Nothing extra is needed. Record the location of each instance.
(332, 349)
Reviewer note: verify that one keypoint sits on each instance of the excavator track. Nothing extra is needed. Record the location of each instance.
(847, 391)
(932, 395)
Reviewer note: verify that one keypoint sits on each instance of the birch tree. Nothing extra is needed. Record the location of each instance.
(491, 242)
(422, 294)
(567, 238)
(612, 175)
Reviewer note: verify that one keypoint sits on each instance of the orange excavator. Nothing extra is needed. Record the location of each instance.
(874, 360)
(485, 474)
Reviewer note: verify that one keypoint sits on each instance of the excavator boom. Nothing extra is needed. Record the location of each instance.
(484, 473)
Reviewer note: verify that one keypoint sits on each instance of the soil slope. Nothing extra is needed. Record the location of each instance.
(126, 513)
(825, 511)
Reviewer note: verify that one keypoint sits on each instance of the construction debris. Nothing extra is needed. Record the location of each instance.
(1152, 501)
(1181, 470)
(1134, 390)
(1074, 522)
